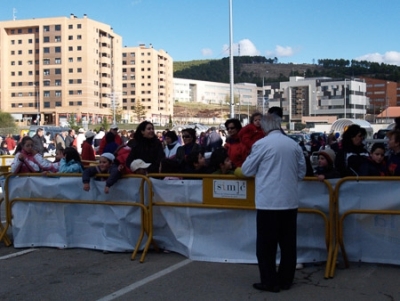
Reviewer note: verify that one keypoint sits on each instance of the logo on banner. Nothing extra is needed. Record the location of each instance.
(229, 189)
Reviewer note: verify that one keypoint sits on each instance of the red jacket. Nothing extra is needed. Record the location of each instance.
(103, 143)
(236, 150)
(87, 153)
(249, 134)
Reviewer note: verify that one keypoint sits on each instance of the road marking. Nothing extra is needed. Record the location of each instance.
(144, 281)
(18, 254)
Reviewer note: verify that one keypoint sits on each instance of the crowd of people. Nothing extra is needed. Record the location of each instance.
(187, 151)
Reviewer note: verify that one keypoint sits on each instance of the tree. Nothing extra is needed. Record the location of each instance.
(139, 110)
(72, 121)
(118, 113)
(7, 124)
(104, 123)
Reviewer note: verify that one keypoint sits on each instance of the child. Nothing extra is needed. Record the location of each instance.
(168, 165)
(220, 162)
(71, 161)
(325, 168)
(105, 166)
(196, 163)
(139, 167)
(375, 165)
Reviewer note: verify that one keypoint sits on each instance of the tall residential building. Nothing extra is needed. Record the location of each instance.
(55, 67)
(147, 82)
(382, 94)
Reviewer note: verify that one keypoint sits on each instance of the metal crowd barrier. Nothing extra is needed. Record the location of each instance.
(341, 217)
(144, 205)
(212, 202)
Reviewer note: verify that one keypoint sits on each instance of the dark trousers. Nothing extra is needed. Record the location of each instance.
(276, 227)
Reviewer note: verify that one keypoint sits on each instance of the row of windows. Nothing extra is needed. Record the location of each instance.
(125, 100)
(45, 28)
(56, 93)
(47, 50)
(57, 82)
(46, 104)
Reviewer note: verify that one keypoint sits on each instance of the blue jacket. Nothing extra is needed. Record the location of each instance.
(70, 167)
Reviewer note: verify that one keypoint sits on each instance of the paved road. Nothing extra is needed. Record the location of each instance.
(79, 274)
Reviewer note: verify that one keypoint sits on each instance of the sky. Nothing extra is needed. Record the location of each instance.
(293, 31)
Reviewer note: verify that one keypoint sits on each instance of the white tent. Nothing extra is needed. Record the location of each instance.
(341, 124)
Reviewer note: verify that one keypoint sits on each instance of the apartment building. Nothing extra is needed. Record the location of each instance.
(147, 81)
(382, 94)
(53, 67)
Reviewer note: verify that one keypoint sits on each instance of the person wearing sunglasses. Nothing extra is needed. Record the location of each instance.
(237, 152)
(189, 146)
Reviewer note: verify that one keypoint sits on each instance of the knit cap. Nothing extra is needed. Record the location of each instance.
(329, 155)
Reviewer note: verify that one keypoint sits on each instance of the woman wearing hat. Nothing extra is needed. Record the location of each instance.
(87, 148)
(146, 146)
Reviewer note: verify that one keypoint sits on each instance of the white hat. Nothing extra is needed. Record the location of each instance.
(114, 127)
(138, 163)
(109, 156)
(89, 134)
(81, 130)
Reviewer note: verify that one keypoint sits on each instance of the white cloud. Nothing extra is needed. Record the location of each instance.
(280, 51)
(206, 52)
(390, 57)
(246, 48)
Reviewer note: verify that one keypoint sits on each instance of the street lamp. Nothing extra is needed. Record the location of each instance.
(345, 98)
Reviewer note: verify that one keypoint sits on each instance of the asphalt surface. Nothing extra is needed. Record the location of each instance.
(80, 274)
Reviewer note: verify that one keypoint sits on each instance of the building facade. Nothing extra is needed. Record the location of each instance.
(147, 82)
(305, 99)
(53, 67)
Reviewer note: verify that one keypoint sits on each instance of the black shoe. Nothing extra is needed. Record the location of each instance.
(285, 287)
(267, 288)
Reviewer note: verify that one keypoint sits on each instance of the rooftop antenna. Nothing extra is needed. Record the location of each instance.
(14, 12)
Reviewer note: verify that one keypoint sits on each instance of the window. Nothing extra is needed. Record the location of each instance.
(71, 92)
(79, 59)
(57, 49)
(46, 94)
(71, 81)
(70, 26)
(79, 92)
(79, 37)
(79, 70)
(57, 27)
(46, 28)
(132, 69)
(78, 81)
(70, 38)
(30, 62)
(46, 83)
(70, 70)
(46, 39)
(46, 72)
(58, 93)
(46, 104)
(19, 73)
(12, 94)
(37, 40)
(58, 71)
(19, 63)
(79, 103)
(79, 26)
(71, 60)
(12, 52)
(132, 54)
(124, 54)
(46, 50)
(70, 103)
(19, 51)
(30, 72)
(46, 62)
(30, 51)
(19, 41)
(79, 48)
(58, 104)
(12, 63)
(70, 48)
(57, 60)
(57, 39)
(57, 82)
(12, 42)
(13, 84)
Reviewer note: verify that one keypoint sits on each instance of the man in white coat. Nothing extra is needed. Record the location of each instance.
(278, 164)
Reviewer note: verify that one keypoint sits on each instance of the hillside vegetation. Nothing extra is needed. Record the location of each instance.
(252, 69)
